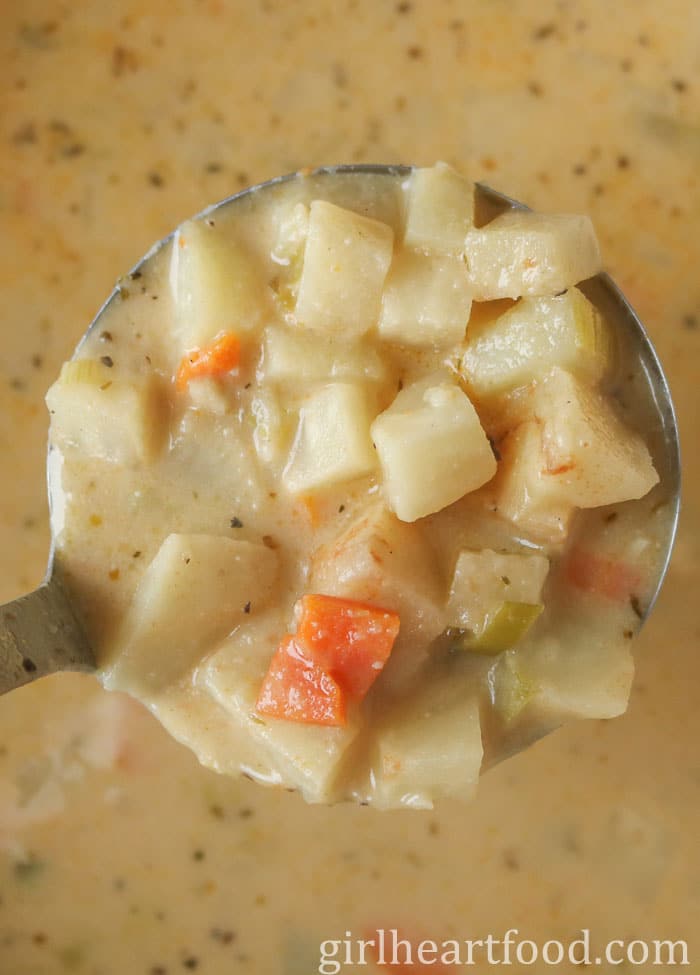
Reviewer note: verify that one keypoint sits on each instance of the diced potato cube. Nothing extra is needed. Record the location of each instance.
(483, 581)
(383, 561)
(292, 231)
(440, 210)
(591, 457)
(523, 491)
(346, 259)
(294, 357)
(104, 415)
(332, 441)
(525, 253)
(426, 300)
(216, 285)
(582, 673)
(530, 338)
(274, 426)
(431, 447)
(430, 747)
(308, 757)
(192, 594)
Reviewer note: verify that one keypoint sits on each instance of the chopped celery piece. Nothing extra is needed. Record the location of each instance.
(511, 689)
(503, 630)
(88, 371)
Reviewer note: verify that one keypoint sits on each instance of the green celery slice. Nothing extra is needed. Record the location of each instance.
(506, 627)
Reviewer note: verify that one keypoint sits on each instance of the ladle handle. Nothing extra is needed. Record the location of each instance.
(39, 635)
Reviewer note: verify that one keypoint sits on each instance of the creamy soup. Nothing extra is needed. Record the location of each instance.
(358, 486)
(120, 853)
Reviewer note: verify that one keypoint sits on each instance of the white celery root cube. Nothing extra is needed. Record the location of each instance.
(307, 758)
(440, 210)
(191, 596)
(101, 415)
(380, 560)
(332, 441)
(430, 748)
(525, 253)
(484, 580)
(294, 356)
(531, 337)
(346, 259)
(523, 491)
(216, 286)
(426, 301)
(590, 454)
(432, 448)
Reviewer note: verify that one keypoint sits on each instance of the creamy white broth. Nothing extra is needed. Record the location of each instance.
(178, 488)
(613, 844)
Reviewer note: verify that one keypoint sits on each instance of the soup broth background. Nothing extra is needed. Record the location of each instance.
(118, 853)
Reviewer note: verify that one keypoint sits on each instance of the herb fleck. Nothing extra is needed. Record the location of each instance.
(107, 360)
(28, 871)
(25, 134)
(246, 608)
(636, 607)
(544, 31)
(236, 522)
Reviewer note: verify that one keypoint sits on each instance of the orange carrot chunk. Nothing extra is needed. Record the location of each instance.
(601, 575)
(216, 359)
(297, 689)
(349, 640)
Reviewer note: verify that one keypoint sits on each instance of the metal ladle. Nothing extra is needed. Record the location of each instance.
(41, 634)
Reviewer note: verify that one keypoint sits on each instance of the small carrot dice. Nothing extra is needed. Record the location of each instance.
(601, 575)
(297, 689)
(216, 359)
(349, 640)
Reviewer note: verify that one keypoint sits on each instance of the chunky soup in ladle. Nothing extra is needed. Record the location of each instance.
(350, 485)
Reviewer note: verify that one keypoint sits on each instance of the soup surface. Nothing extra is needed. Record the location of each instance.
(120, 852)
(433, 554)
